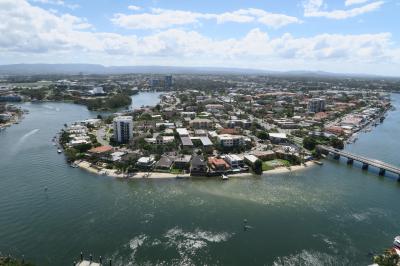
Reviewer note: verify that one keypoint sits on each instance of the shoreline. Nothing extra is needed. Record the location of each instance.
(160, 175)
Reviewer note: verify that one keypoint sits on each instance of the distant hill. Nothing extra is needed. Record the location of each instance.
(74, 69)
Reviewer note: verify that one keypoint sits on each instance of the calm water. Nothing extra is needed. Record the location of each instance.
(329, 215)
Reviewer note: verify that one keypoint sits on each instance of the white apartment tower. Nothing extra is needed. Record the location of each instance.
(123, 129)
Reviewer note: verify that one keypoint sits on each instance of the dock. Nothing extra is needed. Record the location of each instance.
(366, 162)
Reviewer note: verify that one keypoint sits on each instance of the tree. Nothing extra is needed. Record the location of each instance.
(262, 135)
(309, 143)
(336, 143)
(389, 258)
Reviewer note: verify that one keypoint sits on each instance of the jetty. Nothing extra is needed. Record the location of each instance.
(366, 162)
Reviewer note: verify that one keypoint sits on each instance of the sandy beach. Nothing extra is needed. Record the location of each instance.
(158, 175)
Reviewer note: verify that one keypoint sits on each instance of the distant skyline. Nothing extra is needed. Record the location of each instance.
(342, 36)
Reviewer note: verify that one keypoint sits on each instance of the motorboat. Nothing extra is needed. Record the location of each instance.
(224, 177)
(59, 151)
(396, 242)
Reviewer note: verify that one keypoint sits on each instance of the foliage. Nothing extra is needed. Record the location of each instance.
(266, 166)
(389, 258)
(64, 137)
(112, 102)
(262, 135)
(336, 143)
(309, 143)
(6, 261)
(81, 148)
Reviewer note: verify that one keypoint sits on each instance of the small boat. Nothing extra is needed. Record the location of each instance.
(224, 177)
(318, 162)
(59, 151)
(396, 242)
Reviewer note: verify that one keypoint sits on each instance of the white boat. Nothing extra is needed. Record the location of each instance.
(396, 241)
(59, 151)
(224, 177)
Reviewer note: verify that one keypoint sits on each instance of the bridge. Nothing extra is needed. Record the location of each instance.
(366, 162)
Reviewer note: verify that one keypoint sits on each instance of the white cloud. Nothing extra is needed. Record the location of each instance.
(134, 8)
(313, 8)
(57, 2)
(165, 18)
(30, 33)
(354, 2)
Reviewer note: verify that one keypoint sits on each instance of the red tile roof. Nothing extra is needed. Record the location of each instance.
(101, 149)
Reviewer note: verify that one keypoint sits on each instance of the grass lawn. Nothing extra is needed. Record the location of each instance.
(176, 171)
(269, 165)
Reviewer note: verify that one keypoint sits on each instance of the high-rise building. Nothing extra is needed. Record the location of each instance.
(123, 129)
(168, 82)
(316, 105)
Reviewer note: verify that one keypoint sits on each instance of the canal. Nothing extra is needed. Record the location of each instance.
(324, 215)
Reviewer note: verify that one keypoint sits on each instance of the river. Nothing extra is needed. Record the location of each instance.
(324, 215)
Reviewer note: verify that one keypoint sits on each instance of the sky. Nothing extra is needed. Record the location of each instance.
(342, 36)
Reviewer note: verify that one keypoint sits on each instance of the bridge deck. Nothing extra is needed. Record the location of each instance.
(363, 159)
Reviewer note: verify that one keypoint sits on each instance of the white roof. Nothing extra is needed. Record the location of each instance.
(233, 157)
(145, 159)
(278, 135)
(123, 118)
(182, 131)
(251, 158)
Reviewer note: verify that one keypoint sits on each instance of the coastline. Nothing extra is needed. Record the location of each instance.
(15, 120)
(159, 175)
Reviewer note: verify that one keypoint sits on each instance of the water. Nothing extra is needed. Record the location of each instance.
(325, 215)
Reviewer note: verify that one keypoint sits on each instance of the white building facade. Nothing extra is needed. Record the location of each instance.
(123, 129)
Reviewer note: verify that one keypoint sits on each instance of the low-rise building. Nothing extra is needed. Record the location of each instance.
(227, 140)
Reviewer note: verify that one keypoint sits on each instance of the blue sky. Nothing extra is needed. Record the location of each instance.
(350, 36)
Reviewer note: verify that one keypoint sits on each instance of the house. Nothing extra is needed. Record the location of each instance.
(250, 159)
(264, 155)
(145, 162)
(234, 161)
(164, 163)
(182, 162)
(218, 164)
(198, 166)
(100, 151)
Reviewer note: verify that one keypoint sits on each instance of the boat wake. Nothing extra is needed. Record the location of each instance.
(186, 244)
(24, 138)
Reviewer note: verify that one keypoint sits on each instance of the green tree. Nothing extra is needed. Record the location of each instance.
(336, 143)
(309, 143)
(262, 135)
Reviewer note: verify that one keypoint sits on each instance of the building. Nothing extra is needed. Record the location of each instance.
(218, 164)
(316, 105)
(227, 140)
(201, 123)
(145, 162)
(198, 166)
(123, 129)
(250, 159)
(234, 161)
(277, 138)
(168, 82)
